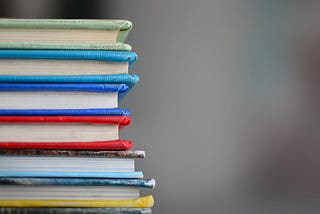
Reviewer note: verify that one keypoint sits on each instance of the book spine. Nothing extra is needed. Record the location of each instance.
(95, 145)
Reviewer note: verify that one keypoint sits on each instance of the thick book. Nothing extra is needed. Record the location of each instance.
(60, 96)
(64, 62)
(66, 129)
(64, 33)
(52, 164)
(144, 183)
(142, 202)
(55, 210)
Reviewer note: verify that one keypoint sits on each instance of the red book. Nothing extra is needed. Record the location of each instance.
(95, 145)
(63, 132)
(110, 119)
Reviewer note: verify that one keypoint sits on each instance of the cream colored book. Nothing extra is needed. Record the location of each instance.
(77, 34)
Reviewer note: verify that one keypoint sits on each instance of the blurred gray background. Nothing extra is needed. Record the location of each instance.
(192, 111)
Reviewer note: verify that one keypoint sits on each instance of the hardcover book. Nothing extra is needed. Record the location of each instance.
(64, 62)
(60, 96)
(50, 130)
(53, 210)
(75, 188)
(64, 33)
(67, 164)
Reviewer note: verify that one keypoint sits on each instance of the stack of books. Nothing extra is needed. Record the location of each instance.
(60, 151)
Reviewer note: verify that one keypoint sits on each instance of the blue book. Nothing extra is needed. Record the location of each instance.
(71, 174)
(75, 112)
(64, 96)
(121, 88)
(67, 66)
(128, 79)
(144, 183)
(113, 56)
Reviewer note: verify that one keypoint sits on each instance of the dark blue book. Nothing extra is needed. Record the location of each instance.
(75, 112)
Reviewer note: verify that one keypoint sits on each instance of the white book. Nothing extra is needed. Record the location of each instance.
(65, 164)
(68, 192)
(58, 132)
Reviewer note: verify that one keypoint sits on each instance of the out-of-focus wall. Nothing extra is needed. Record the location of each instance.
(186, 106)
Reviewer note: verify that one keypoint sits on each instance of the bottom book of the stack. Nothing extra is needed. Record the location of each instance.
(72, 181)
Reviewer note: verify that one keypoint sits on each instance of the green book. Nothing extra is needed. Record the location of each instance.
(100, 34)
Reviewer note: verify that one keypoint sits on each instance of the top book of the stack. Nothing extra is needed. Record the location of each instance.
(100, 34)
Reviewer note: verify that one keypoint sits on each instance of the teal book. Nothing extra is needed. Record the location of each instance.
(85, 34)
(67, 66)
